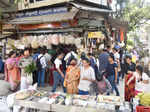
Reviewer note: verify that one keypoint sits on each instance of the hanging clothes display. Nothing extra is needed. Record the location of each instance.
(118, 39)
(47, 40)
(121, 35)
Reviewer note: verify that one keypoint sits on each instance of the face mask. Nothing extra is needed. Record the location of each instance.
(73, 64)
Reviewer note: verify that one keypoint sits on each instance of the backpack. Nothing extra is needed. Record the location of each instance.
(98, 74)
(38, 63)
(70, 58)
(1, 67)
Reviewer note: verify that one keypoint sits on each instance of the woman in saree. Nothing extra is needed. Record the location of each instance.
(72, 77)
(12, 72)
(129, 79)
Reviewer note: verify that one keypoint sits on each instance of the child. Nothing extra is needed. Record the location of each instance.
(103, 85)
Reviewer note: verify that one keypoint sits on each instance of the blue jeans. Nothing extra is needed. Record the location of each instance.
(113, 84)
(41, 77)
(118, 77)
(57, 79)
(83, 92)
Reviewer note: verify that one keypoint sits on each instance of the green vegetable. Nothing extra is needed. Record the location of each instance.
(30, 68)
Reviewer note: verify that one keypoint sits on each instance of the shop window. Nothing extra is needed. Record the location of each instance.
(31, 1)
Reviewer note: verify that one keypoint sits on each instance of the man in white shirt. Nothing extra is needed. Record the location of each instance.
(58, 74)
(47, 57)
(41, 68)
(71, 53)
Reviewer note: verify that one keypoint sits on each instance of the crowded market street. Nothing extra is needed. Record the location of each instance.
(74, 56)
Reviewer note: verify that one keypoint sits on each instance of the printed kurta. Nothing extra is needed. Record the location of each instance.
(72, 79)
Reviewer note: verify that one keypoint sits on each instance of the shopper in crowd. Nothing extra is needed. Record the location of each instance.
(1, 65)
(108, 49)
(35, 57)
(41, 67)
(137, 62)
(71, 54)
(47, 57)
(87, 76)
(72, 77)
(82, 56)
(116, 54)
(58, 74)
(92, 60)
(142, 80)
(129, 67)
(20, 55)
(12, 73)
(112, 72)
(23, 63)
(103, 85)
(48, 63)
(121, 53)
(117, 60)
(129, 70)
(36, 54)
(103, 60)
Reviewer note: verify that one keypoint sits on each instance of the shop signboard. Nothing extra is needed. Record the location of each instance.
(30, 4)
(100, 2)
(95, 35)
(40, 12)
(65, 24)
(90, 23)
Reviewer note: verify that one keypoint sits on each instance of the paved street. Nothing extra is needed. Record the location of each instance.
(121, 88)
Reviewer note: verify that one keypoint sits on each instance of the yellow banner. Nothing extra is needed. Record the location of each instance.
(95, 35)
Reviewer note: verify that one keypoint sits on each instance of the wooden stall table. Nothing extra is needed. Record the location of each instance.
(55, 107)
(36, 100)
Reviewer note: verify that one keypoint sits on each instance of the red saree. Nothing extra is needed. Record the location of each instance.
(130, 87)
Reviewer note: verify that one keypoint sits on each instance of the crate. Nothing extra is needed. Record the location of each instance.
(142, 109)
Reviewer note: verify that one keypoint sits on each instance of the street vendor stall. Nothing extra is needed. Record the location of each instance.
(56, 102)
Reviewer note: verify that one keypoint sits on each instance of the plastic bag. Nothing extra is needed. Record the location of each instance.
(29, 79)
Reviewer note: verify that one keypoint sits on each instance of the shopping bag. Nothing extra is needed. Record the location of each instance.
(29, 79)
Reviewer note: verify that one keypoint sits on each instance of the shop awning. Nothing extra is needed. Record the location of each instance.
(91, 8)
(45, 18)
(59, 30)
